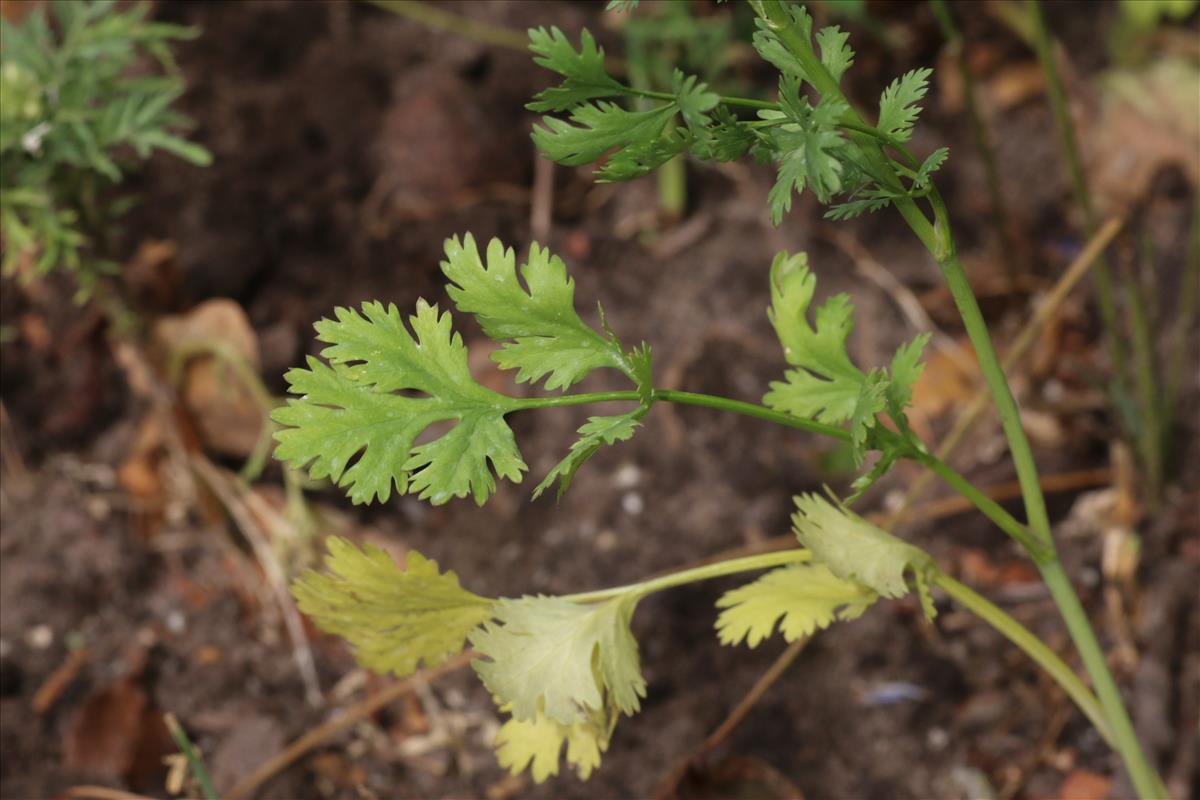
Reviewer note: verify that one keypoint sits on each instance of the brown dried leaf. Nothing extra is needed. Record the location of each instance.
(1083, 785)
(227, 414)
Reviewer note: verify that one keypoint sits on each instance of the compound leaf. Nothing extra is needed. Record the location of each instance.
(560, 658)
(584, 75)
(350, 407)
(898, 109)
(856, 550)
(545, 336)
(394, 619)
(805, 147)
(801, 598)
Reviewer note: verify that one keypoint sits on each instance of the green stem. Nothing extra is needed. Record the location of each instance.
(745, 102)
(685, 576)
(1006, 404)
(193, 757)
(1019, 635)
(1145, 780)
(528, 403)
(751, 410)
(990, 508)
(938, 239)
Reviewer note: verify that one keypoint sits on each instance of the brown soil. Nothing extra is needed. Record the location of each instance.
(348, 145)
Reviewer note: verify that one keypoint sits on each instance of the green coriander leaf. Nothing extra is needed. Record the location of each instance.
(826, 386)
(584, 75)
(393, 619)
(642, 158)
(537, 744)
(905, 372)
(929, 166)
(599, 127)
(351, 407)
(561, 658)
(771, 48)
(595, 433)
(806, 596)
(872, 399)
(642, 362)
(545, 335)
(897, 105)
(806, 148)
(727, 139)
(862, 483)
(694, 100)
(854, 549)
(871, 200)
(624, 6)
(836, 55)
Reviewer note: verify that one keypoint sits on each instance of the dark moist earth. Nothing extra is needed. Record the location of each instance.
(348, 145)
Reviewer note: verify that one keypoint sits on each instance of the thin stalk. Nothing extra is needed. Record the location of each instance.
(751, 410)
(938, 239)
(707, 572)
(1145, 780)
(1055, 91)
(1006, 405)
(689, 399)
(983, 140)
(990, 508)
(528, 403)
(193, 758)
(672, 187)
(1033, 647)
(1148, 427)
(727, 100)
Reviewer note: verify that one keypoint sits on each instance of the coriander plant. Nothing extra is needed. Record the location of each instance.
(566, 669)
(78, 111)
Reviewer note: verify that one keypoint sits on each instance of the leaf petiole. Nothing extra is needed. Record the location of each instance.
(704, 573)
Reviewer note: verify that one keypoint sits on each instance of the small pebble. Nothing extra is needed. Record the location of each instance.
(605, 541)
(39, 637)
(937, 738)
(632, 503)
(627, 476)
(176, 622)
